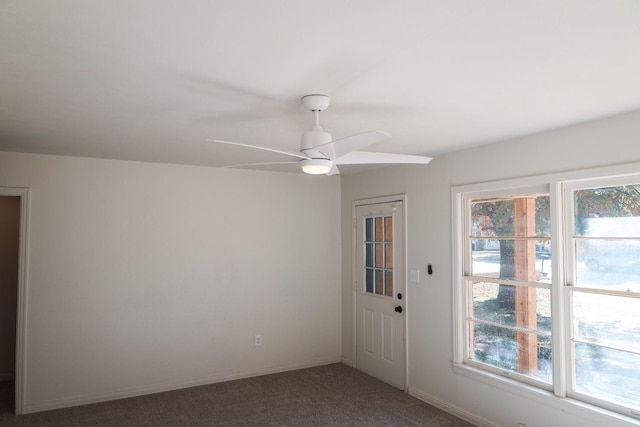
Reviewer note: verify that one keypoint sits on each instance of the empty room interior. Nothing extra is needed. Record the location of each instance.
(443, 195)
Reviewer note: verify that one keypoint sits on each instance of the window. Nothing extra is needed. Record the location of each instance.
(548, 285)
(603, 281)
(508, 285)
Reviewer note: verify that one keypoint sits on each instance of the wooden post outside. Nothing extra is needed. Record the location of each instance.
(525, 266)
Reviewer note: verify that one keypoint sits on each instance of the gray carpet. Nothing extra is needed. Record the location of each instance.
(331, 395)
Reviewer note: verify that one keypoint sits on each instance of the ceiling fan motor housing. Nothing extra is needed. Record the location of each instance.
(314, 138)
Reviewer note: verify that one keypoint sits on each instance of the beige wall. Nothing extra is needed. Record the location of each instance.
(9, 240)
(429, 303)
(144, 277)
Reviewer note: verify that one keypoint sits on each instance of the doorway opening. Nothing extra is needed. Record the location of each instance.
(13, 240)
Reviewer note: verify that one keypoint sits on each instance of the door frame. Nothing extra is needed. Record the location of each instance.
(354, 247)
(21, 309)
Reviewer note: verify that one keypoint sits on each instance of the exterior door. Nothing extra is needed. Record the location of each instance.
(380, 291)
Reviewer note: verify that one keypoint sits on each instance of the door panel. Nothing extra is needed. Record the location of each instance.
(379, 278)
(368, 330)
(387, 337)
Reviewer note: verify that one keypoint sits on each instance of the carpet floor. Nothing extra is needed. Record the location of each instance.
(331, 395)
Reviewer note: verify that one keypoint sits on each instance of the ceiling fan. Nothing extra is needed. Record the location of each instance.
(321, 154)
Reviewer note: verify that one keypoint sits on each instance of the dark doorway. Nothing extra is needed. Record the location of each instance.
(9, 255)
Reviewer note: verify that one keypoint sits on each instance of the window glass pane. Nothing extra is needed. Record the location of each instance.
(379, 229)
(608, 374)
(388, 255)
(608, 264)
(608, 320)
(379, 258)
(492, 218)
(608, 211)
(388, 229)
(533, 264)
(495, 218)
(502, 350)
(515, 339)
(496, 303)
(379, 282)
(388, 283)
(368, 255)
(369, 280)
(494, 345)
(368, 229)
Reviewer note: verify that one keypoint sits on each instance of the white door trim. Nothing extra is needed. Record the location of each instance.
(21, 315)
(374, 201)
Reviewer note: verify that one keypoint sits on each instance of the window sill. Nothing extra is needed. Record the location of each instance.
(544, 397)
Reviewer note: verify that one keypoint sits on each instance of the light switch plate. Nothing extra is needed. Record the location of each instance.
(414, 276)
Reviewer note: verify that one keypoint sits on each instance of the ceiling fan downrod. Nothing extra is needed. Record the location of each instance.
(316, 136)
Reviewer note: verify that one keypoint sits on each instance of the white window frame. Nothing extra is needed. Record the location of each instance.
(560, 187)
(467, 275)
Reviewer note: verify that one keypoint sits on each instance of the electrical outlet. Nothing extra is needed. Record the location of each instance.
(258, 341)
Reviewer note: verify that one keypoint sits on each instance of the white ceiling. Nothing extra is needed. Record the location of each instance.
(150, 80)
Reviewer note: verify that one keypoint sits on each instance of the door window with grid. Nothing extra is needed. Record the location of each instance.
(379, 255)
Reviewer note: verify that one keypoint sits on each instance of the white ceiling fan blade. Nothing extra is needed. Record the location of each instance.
(244, 165)
(367, 157)
(334, 170)
(279, 150)
(342, 146)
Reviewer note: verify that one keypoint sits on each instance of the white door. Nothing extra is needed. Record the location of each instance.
(380, 291)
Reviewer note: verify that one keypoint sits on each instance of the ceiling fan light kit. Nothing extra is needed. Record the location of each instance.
(320, 154)
(316, 166)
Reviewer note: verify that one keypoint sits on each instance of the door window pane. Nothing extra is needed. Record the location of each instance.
(369, 280)
(368, 259)
(379, 229)
(388, 283)
(388, 255)
(379, 257)
(368, 229)
(388, 229)
(379, 282)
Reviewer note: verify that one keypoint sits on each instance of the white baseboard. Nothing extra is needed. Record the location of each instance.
(31, 407)
(453, 410)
